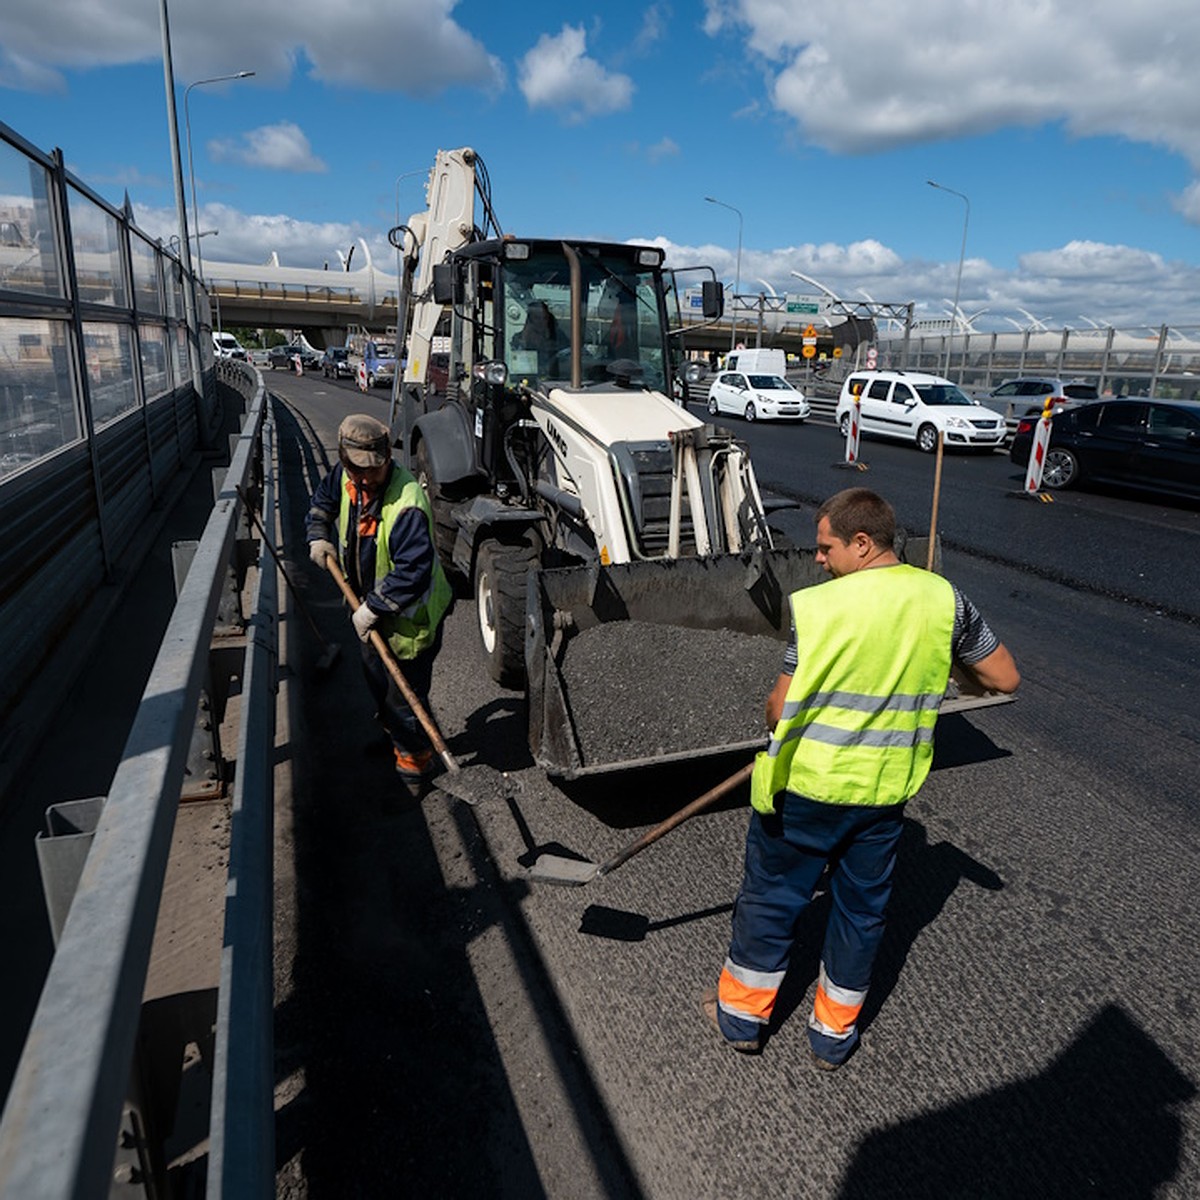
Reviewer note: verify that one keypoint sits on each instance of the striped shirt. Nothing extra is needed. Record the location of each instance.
(971, 641)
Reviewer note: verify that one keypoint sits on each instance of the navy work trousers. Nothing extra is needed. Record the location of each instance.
(786, 853)
(392, 710)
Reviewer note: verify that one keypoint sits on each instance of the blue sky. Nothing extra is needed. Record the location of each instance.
(1072, 128)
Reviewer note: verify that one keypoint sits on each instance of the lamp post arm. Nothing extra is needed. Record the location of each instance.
(187, 121)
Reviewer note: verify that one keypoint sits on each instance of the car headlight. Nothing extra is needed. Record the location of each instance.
(958, 423)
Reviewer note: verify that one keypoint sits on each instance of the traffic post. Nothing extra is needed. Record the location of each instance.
(297, 364)
(1037, 455)
(854, 432)
(361, 376)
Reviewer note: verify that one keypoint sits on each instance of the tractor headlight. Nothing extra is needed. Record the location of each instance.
(494, 372)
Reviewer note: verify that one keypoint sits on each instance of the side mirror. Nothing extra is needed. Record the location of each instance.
(712, 295)
(443, 284)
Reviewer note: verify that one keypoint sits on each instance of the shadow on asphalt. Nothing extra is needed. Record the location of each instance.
(398, 1086)
(958, 743)
(926, 878)
(1098, 1121)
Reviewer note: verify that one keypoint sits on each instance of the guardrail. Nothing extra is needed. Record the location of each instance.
(59, 1131)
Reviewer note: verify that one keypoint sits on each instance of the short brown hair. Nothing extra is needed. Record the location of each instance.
(860, 510)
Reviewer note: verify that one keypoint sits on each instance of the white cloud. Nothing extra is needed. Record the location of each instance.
(410, 46)
(1113, 284)
(905, 73)
(664, 148)
(252, 237)
(654, 27)
(281, 147)
(558, 74)
(1188, 203)
(22, 74)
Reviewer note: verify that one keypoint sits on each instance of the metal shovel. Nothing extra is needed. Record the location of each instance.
(572, 872)
(471, 784)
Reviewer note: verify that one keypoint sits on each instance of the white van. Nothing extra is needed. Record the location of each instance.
(758, 361)
(225, 345)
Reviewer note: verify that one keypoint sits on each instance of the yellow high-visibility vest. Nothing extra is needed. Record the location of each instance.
(858, 718)
(409, 632)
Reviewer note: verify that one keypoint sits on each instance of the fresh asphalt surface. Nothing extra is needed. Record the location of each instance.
(446, 1027)
(1032, 1029)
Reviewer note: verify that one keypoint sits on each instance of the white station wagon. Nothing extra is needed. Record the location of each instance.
(914, 407)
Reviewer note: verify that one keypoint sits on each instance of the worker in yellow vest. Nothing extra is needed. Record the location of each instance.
(852, 714)
(373, 517)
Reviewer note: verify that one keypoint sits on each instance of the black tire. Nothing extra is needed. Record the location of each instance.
(751, 413)
(927, 438)
(844, 424)
(713, 410)
(500, 581)
(1061, 469)
(445, 528)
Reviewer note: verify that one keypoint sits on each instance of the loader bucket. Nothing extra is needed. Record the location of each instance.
(653, 662)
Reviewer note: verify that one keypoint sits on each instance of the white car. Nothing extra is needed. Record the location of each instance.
(914, 407)
(756, 397)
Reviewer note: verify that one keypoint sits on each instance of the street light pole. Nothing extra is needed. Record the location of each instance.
(402, 176)
(737, 286)
(188, 128)
(189, 294)
(961, 255)
(400, 317)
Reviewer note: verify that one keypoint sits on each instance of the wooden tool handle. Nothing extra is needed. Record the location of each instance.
(652, 835)
(937, 492)
(393, 669)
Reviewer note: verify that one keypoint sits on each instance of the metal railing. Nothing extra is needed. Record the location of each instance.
(59, 1131)
(97, 403)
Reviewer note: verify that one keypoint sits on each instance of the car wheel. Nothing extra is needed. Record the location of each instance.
(1061, 469)
(927, 438)
(751, 413)
(713, 407)
(844, 424)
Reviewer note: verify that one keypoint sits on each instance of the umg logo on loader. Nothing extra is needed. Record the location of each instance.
(560, 442)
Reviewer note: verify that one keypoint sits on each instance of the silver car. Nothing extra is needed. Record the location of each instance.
(1028, 395)
(756, 397)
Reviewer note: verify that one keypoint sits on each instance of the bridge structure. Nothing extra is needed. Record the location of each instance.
(324, 304)
(824, 331)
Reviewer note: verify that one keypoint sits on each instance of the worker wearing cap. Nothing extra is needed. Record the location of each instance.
(373, 517)
(852, 715)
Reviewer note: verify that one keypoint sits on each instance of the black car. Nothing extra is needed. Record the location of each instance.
(280, 357)
(335, 363)
(1150, 444)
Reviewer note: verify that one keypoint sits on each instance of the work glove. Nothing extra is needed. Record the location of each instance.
(364, 621)
(319, 549)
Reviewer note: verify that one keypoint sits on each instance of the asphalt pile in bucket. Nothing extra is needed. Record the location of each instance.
(637, 689)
